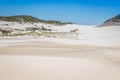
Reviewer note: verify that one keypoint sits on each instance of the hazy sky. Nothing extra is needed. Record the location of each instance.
(77, 11)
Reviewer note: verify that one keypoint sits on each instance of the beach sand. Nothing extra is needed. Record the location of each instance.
(39, 60)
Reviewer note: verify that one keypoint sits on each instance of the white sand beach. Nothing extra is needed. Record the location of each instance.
(59, 39)
(54, 68)
(93, 55)
(56, 61)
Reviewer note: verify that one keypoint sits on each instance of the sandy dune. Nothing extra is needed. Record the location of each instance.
(54, 68)
(94, 55)
(52, 61)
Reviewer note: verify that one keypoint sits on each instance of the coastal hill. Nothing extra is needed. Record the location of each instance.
(31, 26)
(115, 21)
(26, 18)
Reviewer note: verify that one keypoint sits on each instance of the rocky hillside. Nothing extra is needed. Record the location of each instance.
(25, 18)
(115, 21)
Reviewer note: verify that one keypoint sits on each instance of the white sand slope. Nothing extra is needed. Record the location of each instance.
(88, 35)
(102, 36)
(54, 68)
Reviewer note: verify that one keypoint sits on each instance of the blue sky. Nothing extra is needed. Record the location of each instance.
(85, 12)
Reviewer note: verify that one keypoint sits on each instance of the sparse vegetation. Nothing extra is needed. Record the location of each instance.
(25, 18)
(115, 21)
(37, 32)
(6, 31)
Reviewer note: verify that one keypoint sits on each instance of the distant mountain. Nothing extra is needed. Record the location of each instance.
(26, 18)
(115, 21)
